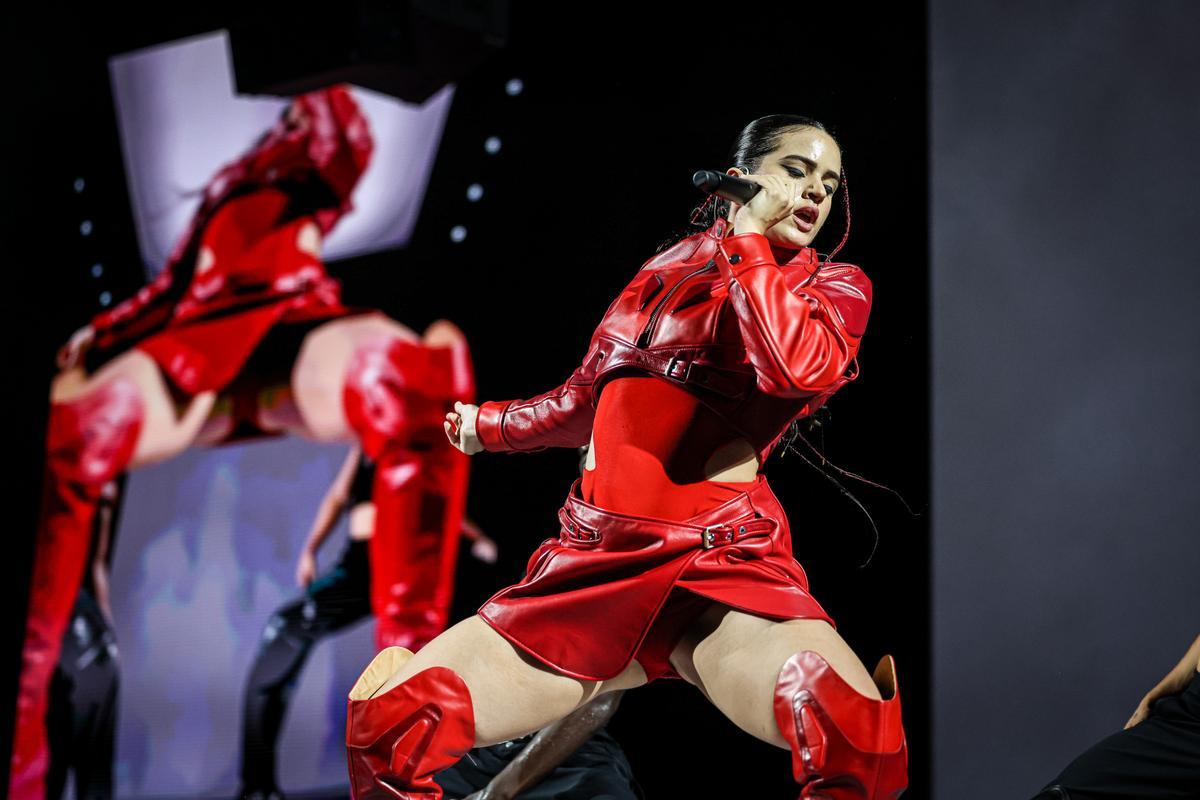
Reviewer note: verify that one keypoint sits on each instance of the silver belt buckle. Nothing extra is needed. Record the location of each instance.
(670, 370)
(708, 536)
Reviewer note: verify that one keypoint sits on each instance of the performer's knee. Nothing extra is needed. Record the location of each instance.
(284, 644)
(398, 740)
(395, 388)
(382, 378)
(838, 736)
(90, 440)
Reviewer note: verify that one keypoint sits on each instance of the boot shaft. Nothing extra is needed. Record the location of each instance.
(845, 746)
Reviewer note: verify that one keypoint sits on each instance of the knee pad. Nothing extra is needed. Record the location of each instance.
(91, 440)
(397, 741)
(398, 391)
(393, 389)
(844, 745)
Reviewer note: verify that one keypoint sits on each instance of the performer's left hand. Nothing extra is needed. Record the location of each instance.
(460, 427)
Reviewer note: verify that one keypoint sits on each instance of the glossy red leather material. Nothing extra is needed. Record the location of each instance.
(396, 395)
(88, 442)
(845, 746)
(591, 595)
(650, 443)
(397, 742)
(201, 327)
(760, 343)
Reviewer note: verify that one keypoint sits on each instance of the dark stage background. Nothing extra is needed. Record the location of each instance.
(606, 96)
(1066, 377)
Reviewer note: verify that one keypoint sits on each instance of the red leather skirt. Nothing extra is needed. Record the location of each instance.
(614, 587)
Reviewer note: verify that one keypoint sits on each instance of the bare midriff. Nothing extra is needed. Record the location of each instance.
(658, 451)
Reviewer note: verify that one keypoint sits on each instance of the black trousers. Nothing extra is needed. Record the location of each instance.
(1157, 758)
(598, 770)
(332, 602)
(81, 719)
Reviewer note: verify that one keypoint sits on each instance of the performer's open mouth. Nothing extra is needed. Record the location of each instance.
(806, 218)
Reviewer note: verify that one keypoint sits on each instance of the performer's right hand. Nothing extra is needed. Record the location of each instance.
(70, 353)
(775, 202)
(460, 427)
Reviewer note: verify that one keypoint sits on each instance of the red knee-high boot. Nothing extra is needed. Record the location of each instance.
(397, 741)
(396, 395)
(88, 443)
(844, 745)
(436, 531)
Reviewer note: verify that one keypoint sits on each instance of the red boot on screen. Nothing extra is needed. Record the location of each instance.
(396, 395)
(88, 443)
(845, 746)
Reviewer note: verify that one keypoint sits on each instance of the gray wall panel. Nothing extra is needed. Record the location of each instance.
(1066, 376)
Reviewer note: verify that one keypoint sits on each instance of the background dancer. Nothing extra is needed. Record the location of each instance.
(1157, 755)
(81, 722)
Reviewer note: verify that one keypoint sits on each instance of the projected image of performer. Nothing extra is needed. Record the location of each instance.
(243, 334)
(674, 557)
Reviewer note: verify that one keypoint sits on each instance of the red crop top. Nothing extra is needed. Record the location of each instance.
(651, 440)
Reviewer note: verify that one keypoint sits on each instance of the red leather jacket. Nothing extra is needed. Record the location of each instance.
(757, 342)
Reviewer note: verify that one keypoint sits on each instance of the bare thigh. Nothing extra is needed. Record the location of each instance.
(313, 408)
(735, 658)
(166, 429)
(511, 694)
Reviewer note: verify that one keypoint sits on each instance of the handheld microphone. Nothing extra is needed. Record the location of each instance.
(731, 188)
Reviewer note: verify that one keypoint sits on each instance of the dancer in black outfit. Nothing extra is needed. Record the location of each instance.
(81, 720)
(330, 603)
(1157, 755)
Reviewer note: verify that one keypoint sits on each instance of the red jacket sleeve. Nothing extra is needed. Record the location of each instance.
(138, 316)
(561, 417)
(800, 342)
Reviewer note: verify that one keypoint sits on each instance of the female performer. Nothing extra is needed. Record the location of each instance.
(244, 334)
(674, 557)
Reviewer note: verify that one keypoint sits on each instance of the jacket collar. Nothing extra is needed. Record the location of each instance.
(806, 258)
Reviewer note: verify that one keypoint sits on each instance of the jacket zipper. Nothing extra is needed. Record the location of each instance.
(644, 338)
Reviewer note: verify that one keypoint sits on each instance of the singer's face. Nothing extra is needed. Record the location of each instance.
(813, 161)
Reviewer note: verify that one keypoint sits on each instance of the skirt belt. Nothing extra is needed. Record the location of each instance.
(587, 526)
